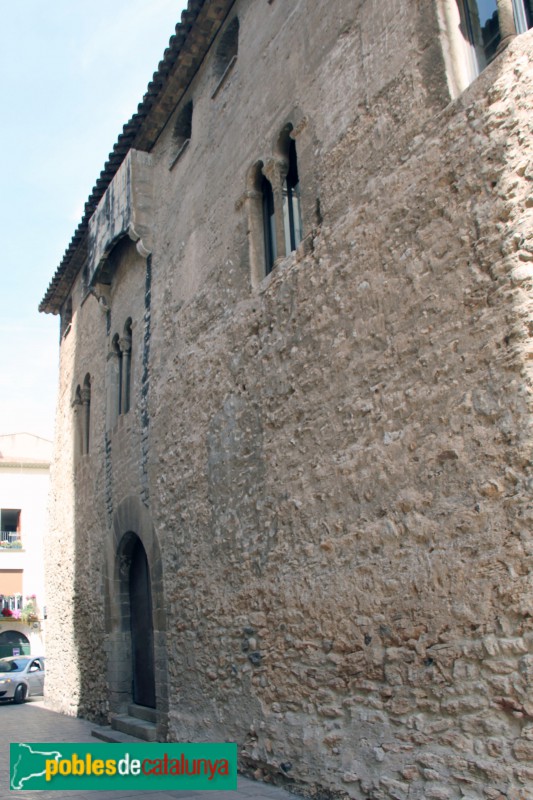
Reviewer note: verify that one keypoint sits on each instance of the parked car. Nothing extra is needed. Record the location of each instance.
(20, 677)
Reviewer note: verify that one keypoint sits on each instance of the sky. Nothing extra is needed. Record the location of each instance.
(72, 72)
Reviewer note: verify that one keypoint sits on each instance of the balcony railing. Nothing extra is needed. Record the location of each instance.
(16, 608)
(10, 540)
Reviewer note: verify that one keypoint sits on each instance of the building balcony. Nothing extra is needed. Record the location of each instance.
(10, 540)
(16, 608)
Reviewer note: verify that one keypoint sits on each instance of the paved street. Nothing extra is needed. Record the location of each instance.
(32, 722)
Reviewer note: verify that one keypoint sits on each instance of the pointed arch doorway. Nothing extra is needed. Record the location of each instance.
(136, 619)
(141, 627)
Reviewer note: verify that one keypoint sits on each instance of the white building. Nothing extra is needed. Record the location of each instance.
(24, 483)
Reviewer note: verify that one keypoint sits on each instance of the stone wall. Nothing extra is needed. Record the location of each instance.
(334, 460)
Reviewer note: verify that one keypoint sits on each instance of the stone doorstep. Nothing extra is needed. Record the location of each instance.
(133, 726)
(143, 712)
(107, 734)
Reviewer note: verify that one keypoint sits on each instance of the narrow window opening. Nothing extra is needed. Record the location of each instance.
(66, 317)
(291, 203)
(269, 224)
(77, 408)
(228, 48)
(125, 385)
(118, 355)
(86, 414)
(181, 135)
(226, 54)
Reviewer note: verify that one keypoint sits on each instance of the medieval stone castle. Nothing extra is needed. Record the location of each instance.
(291, 504)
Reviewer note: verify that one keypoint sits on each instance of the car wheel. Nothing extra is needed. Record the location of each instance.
(20, 694)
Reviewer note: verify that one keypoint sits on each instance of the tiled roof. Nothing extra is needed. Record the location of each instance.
(185, 52)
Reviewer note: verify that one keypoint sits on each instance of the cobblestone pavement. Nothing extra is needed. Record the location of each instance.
(32, 722)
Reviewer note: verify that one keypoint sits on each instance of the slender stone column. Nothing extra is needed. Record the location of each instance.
(125, 349)
(275, 171)
(254, 212)
(506, 22)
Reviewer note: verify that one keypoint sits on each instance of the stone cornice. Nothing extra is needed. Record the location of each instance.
(183, 57)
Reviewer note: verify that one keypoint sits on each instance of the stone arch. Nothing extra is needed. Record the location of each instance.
(10, 640)
(132, 523)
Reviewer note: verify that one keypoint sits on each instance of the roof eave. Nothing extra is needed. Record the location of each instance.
(187, 48)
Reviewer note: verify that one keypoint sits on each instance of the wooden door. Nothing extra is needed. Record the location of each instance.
(142, 632)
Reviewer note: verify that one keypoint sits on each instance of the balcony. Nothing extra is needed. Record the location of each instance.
(124, 210)
(10, 540)
(16, 608)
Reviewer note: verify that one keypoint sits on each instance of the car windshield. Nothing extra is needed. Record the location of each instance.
(13, 666)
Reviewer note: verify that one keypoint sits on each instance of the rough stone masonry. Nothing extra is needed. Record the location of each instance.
(325, 465)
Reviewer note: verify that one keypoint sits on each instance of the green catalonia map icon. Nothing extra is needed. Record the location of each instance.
(28, 765)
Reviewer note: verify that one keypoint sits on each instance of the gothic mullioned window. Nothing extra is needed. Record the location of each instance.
(473, 32)
(119, 374)
(274, 207)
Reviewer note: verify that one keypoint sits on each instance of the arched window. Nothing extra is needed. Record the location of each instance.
(125, 383)
(86, 414)
(226, 53)
(119, 375)
(274, 207)
(182, 131)
(77, 408)
(116, 377)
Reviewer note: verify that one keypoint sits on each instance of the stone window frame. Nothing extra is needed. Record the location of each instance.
(274, 239)
(463, 60)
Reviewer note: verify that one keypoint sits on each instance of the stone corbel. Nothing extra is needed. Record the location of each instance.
(143, 245)
(102, 294)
